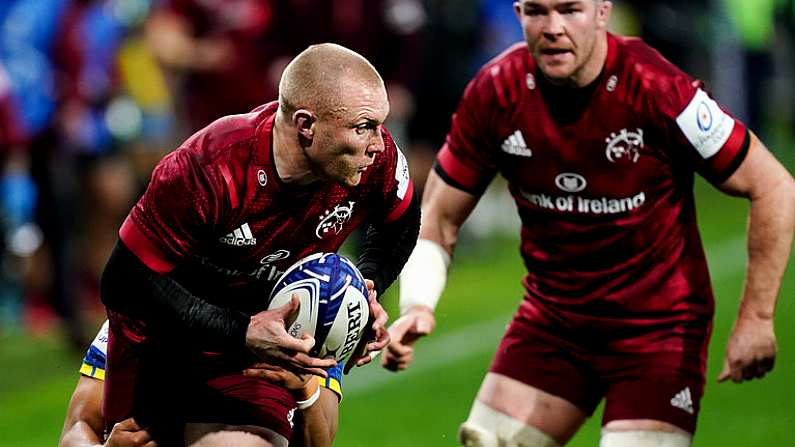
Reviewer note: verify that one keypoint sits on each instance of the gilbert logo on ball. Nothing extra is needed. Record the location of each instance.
(334, 306)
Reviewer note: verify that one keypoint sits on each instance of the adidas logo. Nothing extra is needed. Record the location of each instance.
(515, 145)
(683, 401)
(240, 237)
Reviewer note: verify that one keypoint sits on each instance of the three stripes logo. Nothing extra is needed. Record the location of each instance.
(683, 400)
(239, 237)
(515, 145)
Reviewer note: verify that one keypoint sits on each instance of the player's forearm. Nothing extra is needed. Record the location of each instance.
(434, 229)
(83, 424)
(80, 435)
(129, 287)
(770, 235)
(313, 431)
(387, 248)
(318, 424)
(444, 210)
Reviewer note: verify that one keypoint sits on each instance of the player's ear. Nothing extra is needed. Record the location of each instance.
(603, 10)
(304, 121)
(517, 9)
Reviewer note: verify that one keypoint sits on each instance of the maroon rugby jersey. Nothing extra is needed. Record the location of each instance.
(217, 216)
(604, 194)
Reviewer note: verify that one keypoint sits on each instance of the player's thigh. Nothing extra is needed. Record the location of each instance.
(643, 433)
(658, 389)
(541, 379)
(219, 435)
(505, 401)
(238, 400)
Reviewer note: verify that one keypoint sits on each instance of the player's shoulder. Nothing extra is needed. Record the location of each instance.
(650, 82)
(647, 67)
(513, 56)
(502, 77)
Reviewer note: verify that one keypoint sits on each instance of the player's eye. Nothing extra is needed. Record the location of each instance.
(363, 128)
(533, 11)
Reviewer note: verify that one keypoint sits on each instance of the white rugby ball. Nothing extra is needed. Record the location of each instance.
(334, 308)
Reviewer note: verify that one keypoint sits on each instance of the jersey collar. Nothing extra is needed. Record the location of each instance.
(263, 154)
(612, 56)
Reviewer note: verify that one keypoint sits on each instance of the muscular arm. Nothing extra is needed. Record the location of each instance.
(83, 425)
(771, 191)
(384, 252)
(444, 210)
(318, 423)
(315, 425)
(130, 287)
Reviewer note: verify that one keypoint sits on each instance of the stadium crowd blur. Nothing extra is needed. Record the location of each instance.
(94, 92)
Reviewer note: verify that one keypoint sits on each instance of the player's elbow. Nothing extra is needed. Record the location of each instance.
(782, 193)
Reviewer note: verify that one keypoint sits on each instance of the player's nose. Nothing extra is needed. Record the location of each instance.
(553, 25)
(376, 144)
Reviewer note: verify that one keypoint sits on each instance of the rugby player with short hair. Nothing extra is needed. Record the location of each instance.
(599, 138)
(239, 202)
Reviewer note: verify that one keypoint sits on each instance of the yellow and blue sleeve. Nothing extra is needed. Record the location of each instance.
(333, 381)
(93, 363)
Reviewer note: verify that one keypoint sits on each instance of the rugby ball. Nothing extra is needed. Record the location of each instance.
(334, 308)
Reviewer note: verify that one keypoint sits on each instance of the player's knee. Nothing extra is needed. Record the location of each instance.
(471, 435)
(487, 427)
(644, 438)
(231, 439)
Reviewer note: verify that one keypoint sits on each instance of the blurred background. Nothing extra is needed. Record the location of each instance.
(94, 92)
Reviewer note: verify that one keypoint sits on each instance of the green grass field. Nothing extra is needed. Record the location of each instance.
(423, 406)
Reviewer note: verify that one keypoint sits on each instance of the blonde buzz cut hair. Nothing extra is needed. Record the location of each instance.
(312, 80)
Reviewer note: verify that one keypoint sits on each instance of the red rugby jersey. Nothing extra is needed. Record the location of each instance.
(218, 217)
(605, 193)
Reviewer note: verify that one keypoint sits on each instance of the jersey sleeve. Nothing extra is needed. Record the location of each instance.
(333, 381)
(398, 188)
(175, 213)
(467, 160)
(94, 360)
(714, 141)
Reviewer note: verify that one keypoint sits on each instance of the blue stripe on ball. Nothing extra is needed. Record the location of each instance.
(335, 274)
